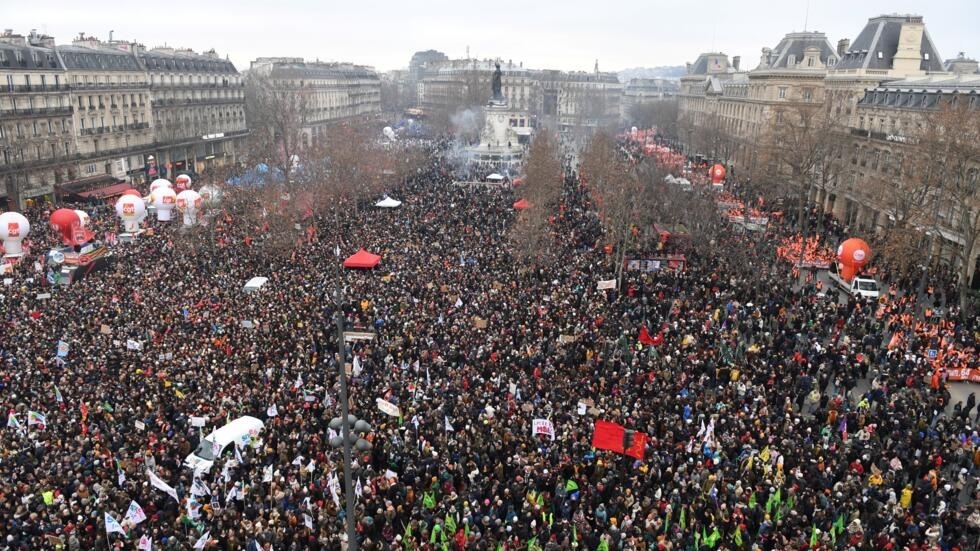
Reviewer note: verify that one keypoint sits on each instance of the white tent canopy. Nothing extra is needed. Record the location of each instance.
(388, 203)
(495, 178)
(255, 284)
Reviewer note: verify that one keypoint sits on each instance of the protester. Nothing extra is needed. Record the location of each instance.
(777, 418)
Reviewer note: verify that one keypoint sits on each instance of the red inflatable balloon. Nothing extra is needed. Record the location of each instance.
(852, 255)
(64, 221)
(718, 174)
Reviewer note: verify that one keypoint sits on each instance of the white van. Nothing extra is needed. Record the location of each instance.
(241, 430)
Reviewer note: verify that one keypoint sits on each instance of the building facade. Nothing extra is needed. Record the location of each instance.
(80, 116)
(883, 144)
(645, 91)
(447, 85)
(331, 92)
(566, 99)
(198, 109)
(580, 101)
(725, 112)
(37, 146)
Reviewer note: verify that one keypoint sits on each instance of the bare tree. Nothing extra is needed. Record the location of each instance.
(662, 114)
(951, 140)
(532, 234)
(617, 190)
(796, 151)
(902, 196)
(277, 110)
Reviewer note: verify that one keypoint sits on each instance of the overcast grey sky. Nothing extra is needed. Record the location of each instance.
(568, 34)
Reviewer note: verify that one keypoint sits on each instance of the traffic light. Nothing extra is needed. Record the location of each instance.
(628, 439)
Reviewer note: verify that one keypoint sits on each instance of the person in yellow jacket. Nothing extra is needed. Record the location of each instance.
(906, 500)
(875, 480)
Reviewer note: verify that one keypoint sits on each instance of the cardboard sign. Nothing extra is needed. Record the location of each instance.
(43, 296)
(105, 329)
(198, 421)
(140, 425)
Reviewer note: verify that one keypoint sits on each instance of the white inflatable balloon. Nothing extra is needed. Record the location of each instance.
(165, 201)
(158, 183)
(183, 182)
(189, 203)
(14, 227)
(132, 210)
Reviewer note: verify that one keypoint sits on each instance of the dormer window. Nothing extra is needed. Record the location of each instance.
(925, 56)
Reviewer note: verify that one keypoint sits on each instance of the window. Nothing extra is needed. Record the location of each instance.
(807, 94)
(782, 92)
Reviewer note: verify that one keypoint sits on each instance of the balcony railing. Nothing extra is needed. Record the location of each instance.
(33, 88)
(108, 86)
(38, 111)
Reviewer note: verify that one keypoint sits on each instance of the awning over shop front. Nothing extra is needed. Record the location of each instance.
(105, 192)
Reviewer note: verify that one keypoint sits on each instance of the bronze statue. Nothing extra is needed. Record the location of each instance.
(496, 84)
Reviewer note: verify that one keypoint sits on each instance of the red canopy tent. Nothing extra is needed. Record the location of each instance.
(522, 204)
(362, 259)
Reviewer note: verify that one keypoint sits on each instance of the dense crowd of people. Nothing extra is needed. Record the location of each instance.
(778, 416)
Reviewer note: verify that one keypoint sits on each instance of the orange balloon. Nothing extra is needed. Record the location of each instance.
(717, 173)
(847, 273)
(854, 253)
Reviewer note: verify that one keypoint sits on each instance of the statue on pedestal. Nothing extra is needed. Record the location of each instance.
(495, 84)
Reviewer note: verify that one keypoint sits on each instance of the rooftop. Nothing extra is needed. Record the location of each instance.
(794, 48)
(876, 45)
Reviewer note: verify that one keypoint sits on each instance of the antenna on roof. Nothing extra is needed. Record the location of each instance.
(806, 16)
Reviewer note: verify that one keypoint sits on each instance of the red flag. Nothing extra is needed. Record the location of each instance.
(646, 339)
(84, 408)
(638, 449)
(608, 436)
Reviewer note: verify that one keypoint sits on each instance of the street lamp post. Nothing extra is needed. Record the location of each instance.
(350, 427)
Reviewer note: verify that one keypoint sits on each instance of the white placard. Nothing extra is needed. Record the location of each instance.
(43, 296)
(140, 425)
(198, 421)
(387, 407)
(606, 284)
(543, 427)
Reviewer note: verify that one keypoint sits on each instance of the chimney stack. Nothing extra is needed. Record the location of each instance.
(842, 46)
(736, 61)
